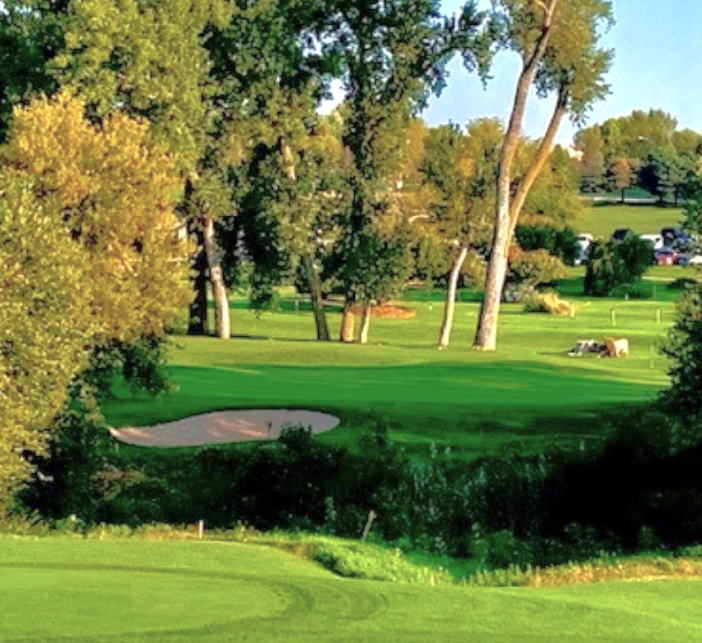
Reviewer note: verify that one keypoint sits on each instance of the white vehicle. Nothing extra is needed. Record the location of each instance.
(583, 242)
(656, 240)
(695, 260)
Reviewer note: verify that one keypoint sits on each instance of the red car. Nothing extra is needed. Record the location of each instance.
(665, 257)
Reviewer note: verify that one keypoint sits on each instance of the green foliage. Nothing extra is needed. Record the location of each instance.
(684, 350)
(528, 270)
(84, 266)
(645, 146)
(614, 263)
(391, 55)
(683, 283)
(44, 339)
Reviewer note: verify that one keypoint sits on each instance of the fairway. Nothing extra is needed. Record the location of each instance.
(530, 391)
(168, 592)
(601, 220)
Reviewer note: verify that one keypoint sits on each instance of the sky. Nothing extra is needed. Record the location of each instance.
(657, 64)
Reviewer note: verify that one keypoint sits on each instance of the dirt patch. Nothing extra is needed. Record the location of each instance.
(224, 427)
(388, 311)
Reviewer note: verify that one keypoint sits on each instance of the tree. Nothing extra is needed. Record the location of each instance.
(682, 402)
(616, 263)
(462, 169)
(149, 60)
(591, 166)
(31, 33)
(664, 173)
(621, 175)
(84, 266)
(273, 137)
(558, 45)
(391, 55)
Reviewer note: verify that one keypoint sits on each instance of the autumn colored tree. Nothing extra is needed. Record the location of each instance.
(621, 175)
(149, 60)
(558, 42)
(90, 246)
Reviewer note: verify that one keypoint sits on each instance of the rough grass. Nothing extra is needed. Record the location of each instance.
(207, 592)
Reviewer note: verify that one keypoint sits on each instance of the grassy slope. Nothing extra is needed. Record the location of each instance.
(425, 394)
(601, 220)
(210, 592)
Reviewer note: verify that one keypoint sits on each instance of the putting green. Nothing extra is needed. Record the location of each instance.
(173, 592)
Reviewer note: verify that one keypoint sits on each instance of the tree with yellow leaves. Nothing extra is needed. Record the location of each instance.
(91, 255)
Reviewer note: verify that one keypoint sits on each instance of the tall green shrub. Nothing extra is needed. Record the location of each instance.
(614, 263)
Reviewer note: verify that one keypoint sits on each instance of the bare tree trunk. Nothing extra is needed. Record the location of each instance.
(320, 315)
(223, 328)
(348, 324)
(365, 323)
(486, 332)
(198, 313)
(450, 304)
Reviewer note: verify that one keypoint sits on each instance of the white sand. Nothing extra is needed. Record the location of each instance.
(225, 426)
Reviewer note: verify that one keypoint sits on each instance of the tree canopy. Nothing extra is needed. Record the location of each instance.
(90, 235)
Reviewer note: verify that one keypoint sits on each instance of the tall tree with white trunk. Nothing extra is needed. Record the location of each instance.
(558, 42)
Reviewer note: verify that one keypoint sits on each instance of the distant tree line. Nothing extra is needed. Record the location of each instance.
(644, 149)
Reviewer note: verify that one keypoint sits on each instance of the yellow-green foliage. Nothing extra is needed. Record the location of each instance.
(89, 250)
(551, 303)
(45, 322)
(606, 569)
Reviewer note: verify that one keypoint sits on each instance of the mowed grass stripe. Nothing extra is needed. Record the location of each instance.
(245, 587)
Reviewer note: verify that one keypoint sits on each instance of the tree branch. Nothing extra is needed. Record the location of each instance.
(539, 159)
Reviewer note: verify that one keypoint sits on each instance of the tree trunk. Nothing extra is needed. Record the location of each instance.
(486, 335)
(348, 324)
(219, 290)
(623, 195)
(320, 315)
(198, 314)
(450, 305)
(365, 324)
(486, 332)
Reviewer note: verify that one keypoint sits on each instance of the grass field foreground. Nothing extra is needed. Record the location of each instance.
(168, 592)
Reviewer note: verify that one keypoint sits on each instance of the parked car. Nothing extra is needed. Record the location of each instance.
(656, 240)
(582, 251)
(621, 233)
(665, 257)
(675, 235)
(695, 260)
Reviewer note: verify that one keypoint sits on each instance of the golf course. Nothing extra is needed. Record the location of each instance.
(467, 400)
(530, 395)
(165, 592)
(350, 321)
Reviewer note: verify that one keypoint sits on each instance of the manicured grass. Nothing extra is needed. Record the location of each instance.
(529, 392)
(173, 592)
(602, 219)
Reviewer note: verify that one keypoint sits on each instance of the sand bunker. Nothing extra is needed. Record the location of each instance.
(225, 426)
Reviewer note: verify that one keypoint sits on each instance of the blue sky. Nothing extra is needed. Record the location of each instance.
(658, 63)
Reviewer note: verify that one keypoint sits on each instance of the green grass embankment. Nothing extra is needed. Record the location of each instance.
(202, 592)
